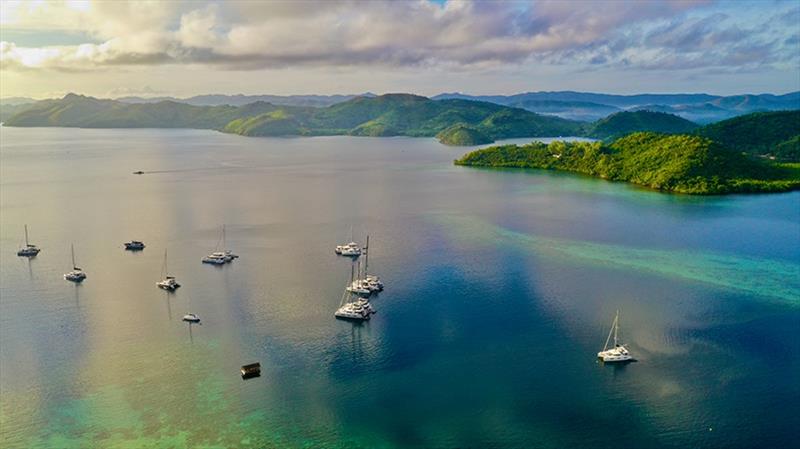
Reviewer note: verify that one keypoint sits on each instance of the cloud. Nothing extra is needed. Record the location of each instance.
(456, 34)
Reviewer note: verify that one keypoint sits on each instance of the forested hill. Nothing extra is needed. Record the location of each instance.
(385, 115)
(771, 134)
(674, 163)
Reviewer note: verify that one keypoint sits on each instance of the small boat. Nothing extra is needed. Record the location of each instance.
(76, 275)
(619, 353)
(139, 172)
(134, 245)
(28, 250)
(251, 370)
(220, 257)
(191, 318)
(168, 283)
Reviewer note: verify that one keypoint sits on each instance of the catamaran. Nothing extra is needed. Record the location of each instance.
(619, 353)
(220, 257)
(28, 250)
(191, 318)
(352, 307)
(76, 275)
(350, 249)
(168, 283)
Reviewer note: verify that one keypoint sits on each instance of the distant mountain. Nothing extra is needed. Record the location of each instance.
(407, 115)
(16, 101)
(625, 122)
(88, 112)
(700, 108)
(771, 134)
(385, 115)
(241, 100)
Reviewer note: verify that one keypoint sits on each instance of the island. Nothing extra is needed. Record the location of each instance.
(679, 163)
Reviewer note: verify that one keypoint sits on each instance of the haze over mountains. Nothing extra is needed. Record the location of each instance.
(581, 106)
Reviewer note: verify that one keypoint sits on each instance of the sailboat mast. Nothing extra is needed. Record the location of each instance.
(366, 257)
(166, 270)
(72, 250)
(26, 236)
(616, 328)
(223, 238)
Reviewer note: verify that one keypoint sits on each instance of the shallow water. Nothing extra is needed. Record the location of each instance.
(501, 285)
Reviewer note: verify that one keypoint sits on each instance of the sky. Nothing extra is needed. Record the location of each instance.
(183, 48)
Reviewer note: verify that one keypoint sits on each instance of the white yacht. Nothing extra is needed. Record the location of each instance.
(370, 281)
(351, 249)
(220, 257)
(134, 245)
(168, 283)
(216, 258)
(76, 275)
(353, 308)
(191, 318)
(619, 353)
(28, 250)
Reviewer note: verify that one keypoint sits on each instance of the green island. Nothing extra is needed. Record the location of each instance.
(680, 163)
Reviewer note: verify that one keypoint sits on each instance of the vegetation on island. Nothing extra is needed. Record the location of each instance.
(679, 163)
(622, 123)
(767, 134)
(385, 115)
(461, 134)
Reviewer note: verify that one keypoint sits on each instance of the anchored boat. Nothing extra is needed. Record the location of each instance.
(619, 353)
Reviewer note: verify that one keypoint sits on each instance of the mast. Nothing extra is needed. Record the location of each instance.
(366, 257)
(223, 238)
(26, 236)
(616, 328)
(166, 270)
(72, 249)
(610, 331)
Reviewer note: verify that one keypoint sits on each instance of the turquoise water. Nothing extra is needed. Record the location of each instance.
(501, 285)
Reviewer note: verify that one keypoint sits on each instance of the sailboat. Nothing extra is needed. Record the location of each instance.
(352, 307)
(350, 249)
(220, 257)
(370, 281)
(619, 353)
(168, 283)
(76, 275)
(29, 250)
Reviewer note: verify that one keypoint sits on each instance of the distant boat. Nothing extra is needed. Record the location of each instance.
(168, 283)
(220, 257)
(619, 353)
(76, 275)
(134, 245)
(28, 250)
(138, 172)
(191, 318)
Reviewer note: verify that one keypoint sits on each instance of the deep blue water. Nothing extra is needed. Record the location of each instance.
(500, 287)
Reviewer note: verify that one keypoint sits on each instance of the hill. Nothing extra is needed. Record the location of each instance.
(462, 135)
(88, 112)
(626, 122)
(700, 108)
(407, 115)
(768, 134)
(673, 163)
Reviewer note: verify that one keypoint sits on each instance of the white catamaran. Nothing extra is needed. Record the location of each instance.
(619, 353)
(28, 250)
(168, 283)
(352, 307)
(76, 275)
(220, 257)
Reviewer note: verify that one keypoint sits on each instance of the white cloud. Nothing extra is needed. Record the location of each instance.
(458, 34)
